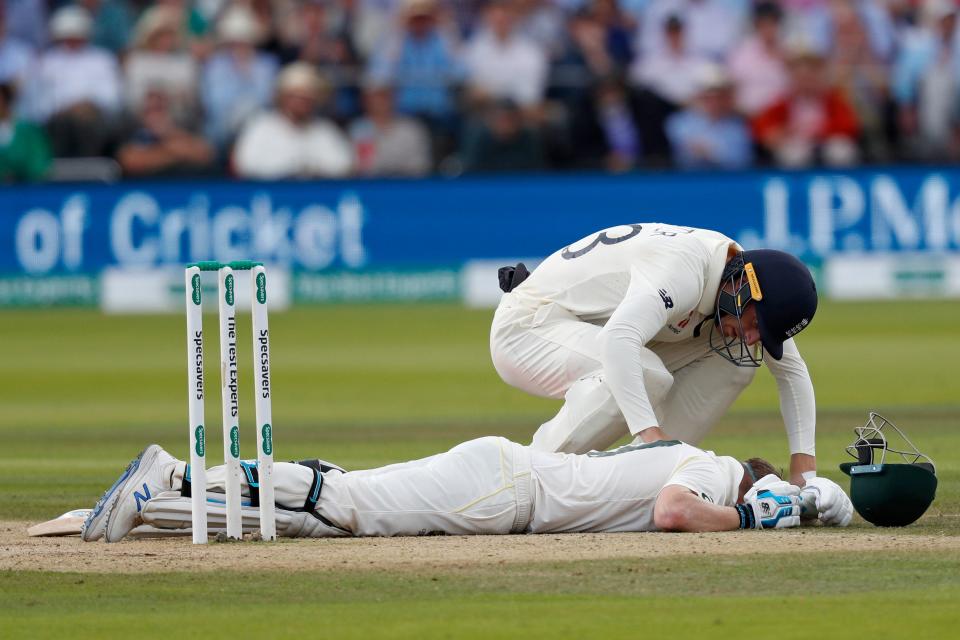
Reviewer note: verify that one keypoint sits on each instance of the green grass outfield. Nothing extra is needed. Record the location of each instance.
(81, 393)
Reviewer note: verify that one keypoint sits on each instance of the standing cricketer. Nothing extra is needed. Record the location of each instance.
(654, 330)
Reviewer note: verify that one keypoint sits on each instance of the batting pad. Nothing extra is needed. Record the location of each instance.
(169, 511)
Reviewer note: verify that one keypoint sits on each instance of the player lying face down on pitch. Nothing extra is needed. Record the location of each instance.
(485, 486)
(653, 330)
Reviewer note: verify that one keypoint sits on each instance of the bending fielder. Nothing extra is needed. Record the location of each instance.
(484, 486)
(654, 330)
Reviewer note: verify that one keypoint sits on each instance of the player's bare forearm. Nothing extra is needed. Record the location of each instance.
(652, 434)
(801, 463)
(679, 509)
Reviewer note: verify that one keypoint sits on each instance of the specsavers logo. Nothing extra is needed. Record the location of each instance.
(195, 284)
(228, 288)
(262, 288)
(199, 440)
(267, 432)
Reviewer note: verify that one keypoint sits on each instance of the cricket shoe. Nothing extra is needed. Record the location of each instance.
(118, 511)
(95, 524)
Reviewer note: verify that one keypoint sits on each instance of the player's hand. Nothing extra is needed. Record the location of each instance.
(773, 484)
(832, 503)
(768, 510)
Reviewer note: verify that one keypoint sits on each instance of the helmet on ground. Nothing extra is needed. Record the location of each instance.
(888, 492)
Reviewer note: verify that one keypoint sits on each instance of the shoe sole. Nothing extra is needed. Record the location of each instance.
(109, 499)
(144, 462)
(102, 502)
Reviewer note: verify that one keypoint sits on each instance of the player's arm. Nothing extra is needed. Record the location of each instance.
(799, 410)
(680, 509)
(632, 371)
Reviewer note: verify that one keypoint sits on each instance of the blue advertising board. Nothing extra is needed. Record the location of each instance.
(361, 226)
(353, 225)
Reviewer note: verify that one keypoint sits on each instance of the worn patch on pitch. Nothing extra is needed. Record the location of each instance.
(21, 552)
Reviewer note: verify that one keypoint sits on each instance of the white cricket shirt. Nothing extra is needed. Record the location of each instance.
(617, 490)
(655, 282)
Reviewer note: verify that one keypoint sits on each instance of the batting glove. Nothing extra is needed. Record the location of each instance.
(773, 484)
(832, 504)
(768, 510)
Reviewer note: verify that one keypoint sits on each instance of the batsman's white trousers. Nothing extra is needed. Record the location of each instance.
(549, 352)
(483, 486)
(479, 487)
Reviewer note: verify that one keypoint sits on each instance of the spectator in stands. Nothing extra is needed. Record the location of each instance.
(387, 144)
(16, 56)
(926, 86)
(194, 25)
(617, 120)
(757, 66)
(113, 22)
(813, 123)
(160, 61)
(814, 22)
(542, 22)
(584, 59)
(291, 141)
(596, 47)
(903, 16)
(713, 26)
(24, 149)
(237, 80)
(264, 14)
(503, 64)
(600, 111)
(666, 81)
(314, 37)
(710, 134)
(26, 21)
(671, 73)
(371, 21)
(76, 88)
(159, 145)
(502, 141)
(617, 31)
(420, 61)
(855, 68)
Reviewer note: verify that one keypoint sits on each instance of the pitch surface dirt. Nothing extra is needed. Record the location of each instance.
(21, 552)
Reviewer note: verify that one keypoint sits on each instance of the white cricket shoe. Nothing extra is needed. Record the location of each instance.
(95, 524)
(118, 511)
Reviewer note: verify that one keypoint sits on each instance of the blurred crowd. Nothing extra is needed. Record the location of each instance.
(335, 88)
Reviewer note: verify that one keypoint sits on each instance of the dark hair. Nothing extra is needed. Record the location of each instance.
(767, 10)
(761, 467)
(7, 92)
(673, 23)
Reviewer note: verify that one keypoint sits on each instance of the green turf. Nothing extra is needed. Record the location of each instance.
(81, 393)
(823, 595)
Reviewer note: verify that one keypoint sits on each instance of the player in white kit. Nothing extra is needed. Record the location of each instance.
(485, 486)
(654, 330)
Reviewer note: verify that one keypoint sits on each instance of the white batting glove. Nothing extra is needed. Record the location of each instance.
(773, 484)
(768, 510)
(832, 504)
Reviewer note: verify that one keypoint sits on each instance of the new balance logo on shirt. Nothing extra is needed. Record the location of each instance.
(667, 300)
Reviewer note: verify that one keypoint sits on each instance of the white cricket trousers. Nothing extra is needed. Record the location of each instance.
(479, 487)
(549, 352)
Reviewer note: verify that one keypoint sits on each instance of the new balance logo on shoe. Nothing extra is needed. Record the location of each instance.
(667, 300)
(142, 496)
